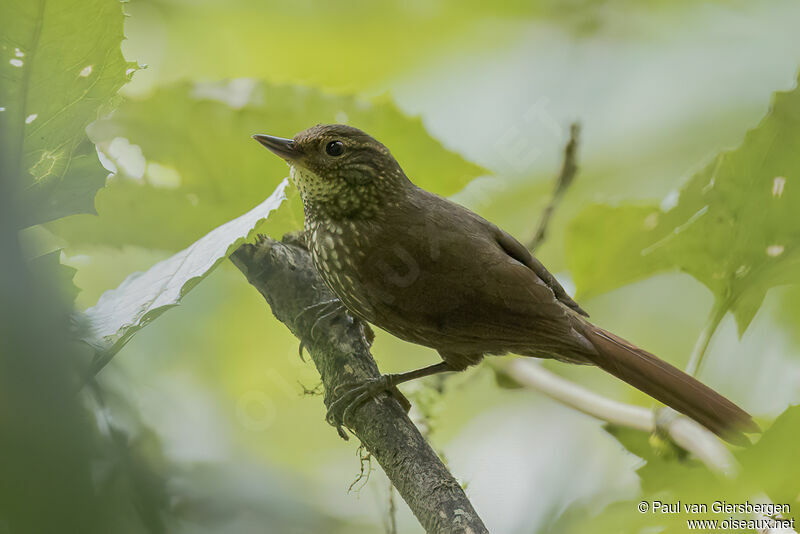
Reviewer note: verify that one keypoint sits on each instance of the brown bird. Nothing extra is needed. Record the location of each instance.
(432, 272)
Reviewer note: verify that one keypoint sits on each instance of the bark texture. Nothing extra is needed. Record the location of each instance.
(338, 344)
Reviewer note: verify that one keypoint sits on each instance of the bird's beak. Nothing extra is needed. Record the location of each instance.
(284, 148)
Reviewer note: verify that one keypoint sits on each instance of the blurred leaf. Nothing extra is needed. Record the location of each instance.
(187, 163)
(605, 246)
(142, 297)
(770, 466)
(667, 478)
(767, 467)
(47, 437)
(61, 65)
(504, 380)
(247, 498)
(48, 267)
(789, 314)
(634, 441)
(361, 46)
(345, 48)
(663, 459)
(734, 228)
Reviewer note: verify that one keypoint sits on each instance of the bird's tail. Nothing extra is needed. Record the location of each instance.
(669, 385)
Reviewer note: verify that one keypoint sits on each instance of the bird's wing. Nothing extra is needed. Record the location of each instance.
(467, 288)
(510, 303)
(517, 250)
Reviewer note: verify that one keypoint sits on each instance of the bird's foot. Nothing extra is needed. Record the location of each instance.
(353, 395)
(328, 316)
(319, 307)
(323, 310)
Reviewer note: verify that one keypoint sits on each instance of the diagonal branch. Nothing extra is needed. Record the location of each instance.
(283, 273)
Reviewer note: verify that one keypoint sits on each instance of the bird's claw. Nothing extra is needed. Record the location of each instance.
(356, 394)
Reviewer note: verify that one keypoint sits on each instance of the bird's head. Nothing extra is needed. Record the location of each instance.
(339, 170)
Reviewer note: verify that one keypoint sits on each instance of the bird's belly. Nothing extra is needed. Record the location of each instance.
(375, 306)
(337, 265)
(391, 291)
(350, 292)
(370, 302)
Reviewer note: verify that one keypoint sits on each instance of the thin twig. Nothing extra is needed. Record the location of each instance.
(569, 169)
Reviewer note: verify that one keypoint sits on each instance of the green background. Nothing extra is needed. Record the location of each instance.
(206, 407)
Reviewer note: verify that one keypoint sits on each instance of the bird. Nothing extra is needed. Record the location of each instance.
(432, 272)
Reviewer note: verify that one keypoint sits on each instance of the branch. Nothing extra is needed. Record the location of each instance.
(680, 429)
(283, 273)
(569, 168)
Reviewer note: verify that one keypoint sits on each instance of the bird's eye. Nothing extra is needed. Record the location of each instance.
(334, 148)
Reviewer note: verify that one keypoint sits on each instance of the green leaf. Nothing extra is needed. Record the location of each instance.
(60, 66)
(187, 163)
(668, 479)
(734, 228)
(605, 245)
(664, 460)
(121, 312)
(770, 466)
(788, 315)
(48, 268)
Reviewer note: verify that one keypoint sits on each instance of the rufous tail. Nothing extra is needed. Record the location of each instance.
(669, 385)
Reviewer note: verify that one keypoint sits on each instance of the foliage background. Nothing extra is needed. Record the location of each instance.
(201, 420)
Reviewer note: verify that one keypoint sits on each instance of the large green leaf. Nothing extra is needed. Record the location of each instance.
(187, 163)
(735, 226)
(771, 465)
(48, 267)
(121, 312)
(60, 65)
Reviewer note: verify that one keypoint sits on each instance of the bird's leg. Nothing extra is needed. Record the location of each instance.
(360, 392)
